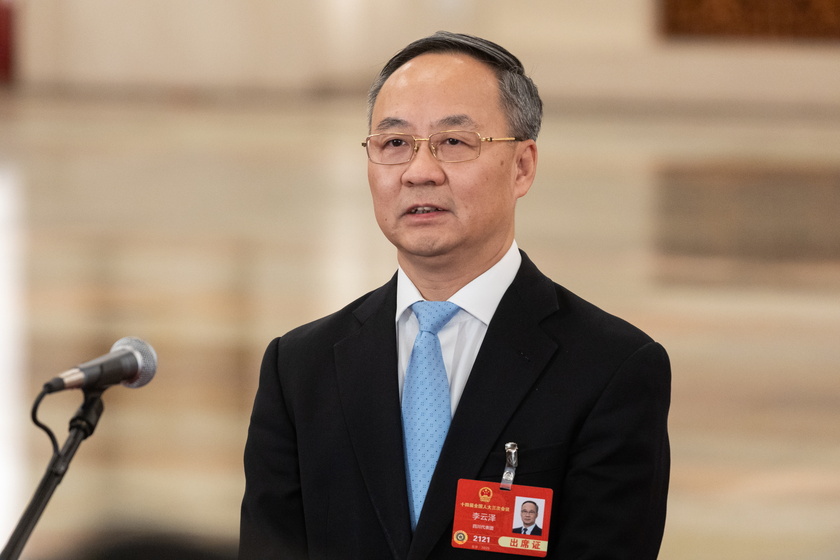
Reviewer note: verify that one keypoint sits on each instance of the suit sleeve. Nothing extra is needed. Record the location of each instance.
(614, 496)
(272, 521)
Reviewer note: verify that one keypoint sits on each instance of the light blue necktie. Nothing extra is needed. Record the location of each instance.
(426, 408)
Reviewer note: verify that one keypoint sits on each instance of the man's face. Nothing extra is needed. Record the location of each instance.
(472, 203)
(528, 513)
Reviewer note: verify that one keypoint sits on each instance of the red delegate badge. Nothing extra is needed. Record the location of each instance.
(514, 521)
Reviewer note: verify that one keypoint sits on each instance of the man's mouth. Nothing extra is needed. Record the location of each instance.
(424, 210)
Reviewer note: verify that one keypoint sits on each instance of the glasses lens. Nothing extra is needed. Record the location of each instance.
(390, 148)
(455, 145)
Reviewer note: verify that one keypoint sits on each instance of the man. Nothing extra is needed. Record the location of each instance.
(329, 462)
(528, 513)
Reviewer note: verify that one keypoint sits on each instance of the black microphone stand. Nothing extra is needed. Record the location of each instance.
(81, 426)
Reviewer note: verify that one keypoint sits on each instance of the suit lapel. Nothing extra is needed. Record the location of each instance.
(366, 365)
(514, 353)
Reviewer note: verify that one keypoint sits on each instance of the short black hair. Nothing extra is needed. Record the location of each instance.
(530, 502)
(519, 96)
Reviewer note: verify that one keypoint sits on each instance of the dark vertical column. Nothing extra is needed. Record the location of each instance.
(6, 42)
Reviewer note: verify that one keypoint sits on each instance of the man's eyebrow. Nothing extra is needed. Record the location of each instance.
(391, 122)
(446, 123)
(457, 120)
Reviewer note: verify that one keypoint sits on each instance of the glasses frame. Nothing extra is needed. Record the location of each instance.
(417, 141)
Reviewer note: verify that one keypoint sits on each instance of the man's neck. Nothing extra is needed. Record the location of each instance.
(438, 279)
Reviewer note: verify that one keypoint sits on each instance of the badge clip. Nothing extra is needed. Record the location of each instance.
(511, 462)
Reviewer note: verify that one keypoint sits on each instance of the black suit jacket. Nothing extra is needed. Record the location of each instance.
(537, 531)
(324, 463)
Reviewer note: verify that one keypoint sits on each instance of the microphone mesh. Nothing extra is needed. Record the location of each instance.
(147, 358)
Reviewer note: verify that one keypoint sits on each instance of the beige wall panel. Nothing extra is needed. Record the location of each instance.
(598, 50)
(160, 43)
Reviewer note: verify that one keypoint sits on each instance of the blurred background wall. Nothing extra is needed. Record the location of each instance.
(189, 171)
(593, 50)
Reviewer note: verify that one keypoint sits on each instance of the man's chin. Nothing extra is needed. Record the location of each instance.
(426, 249)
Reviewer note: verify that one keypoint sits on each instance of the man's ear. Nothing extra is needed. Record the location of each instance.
(526, 167)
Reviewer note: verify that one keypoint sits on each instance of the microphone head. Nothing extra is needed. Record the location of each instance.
(146, 360)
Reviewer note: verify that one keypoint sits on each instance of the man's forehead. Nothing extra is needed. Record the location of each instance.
(438, 91)
(433, 68)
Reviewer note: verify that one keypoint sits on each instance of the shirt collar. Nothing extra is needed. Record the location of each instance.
(479, 298)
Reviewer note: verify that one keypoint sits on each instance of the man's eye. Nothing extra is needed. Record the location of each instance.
(395, 143)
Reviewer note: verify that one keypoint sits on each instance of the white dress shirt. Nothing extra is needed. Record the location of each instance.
(461, 338)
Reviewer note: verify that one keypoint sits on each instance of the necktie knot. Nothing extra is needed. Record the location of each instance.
(433, 315)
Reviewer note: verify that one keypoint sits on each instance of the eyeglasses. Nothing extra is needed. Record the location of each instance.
(449, 146)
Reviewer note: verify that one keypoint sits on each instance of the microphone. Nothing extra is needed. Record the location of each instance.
(132, 362)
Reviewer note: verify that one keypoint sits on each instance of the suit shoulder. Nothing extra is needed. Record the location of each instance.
(595, 320)
(333, 327)
(566, 314)
(602, 347)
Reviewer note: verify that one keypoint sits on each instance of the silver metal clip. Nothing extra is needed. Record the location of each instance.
(511, 462)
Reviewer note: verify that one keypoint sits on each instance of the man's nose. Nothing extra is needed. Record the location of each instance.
(424, 168)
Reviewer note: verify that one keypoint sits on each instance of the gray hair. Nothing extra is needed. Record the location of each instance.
(519, 96)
